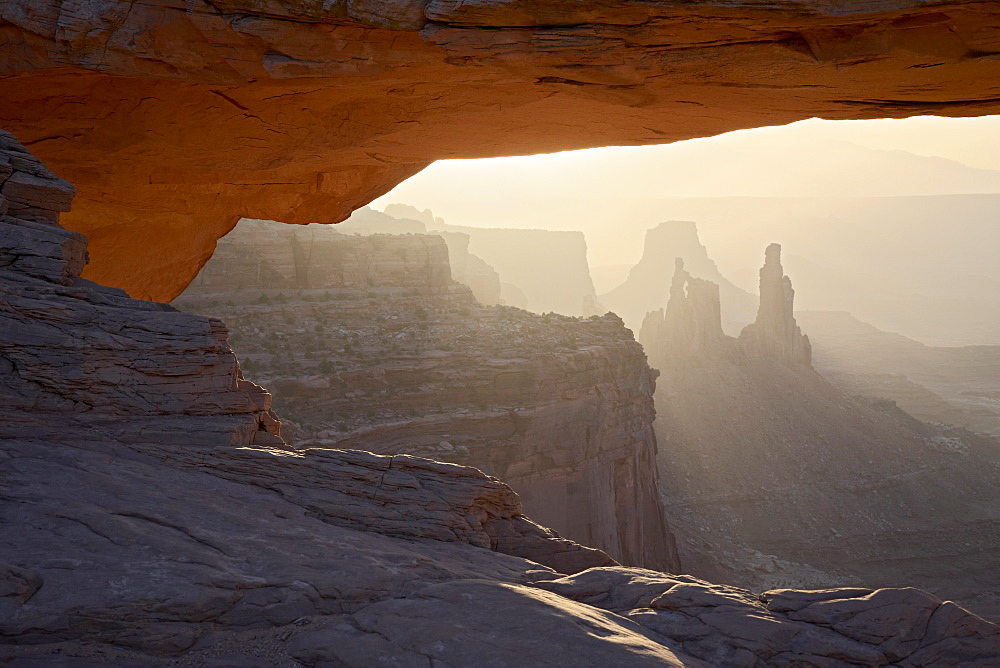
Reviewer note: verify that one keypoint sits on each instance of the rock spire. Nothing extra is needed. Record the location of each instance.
(690, 325)
(775, 334)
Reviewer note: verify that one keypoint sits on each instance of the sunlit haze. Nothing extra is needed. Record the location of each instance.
(614, 194)
(908, 209)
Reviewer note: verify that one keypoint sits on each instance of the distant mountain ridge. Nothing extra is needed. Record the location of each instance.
(953, 385)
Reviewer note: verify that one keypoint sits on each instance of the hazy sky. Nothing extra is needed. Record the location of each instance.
(614, 194)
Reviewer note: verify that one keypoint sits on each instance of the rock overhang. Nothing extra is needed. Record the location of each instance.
(176, 119)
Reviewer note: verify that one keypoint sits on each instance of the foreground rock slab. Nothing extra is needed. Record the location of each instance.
(732, 627)
(152, 548)
(172, 551)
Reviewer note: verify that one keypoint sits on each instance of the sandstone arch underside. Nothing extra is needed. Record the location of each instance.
(176, 118)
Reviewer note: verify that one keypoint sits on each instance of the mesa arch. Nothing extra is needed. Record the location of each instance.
(174, 119)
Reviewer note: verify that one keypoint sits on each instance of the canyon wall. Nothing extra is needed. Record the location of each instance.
(539, 270)
(470, 269)
(466, 268)
(259, 255)
(548, 267)
(774, 477)
(559, 408)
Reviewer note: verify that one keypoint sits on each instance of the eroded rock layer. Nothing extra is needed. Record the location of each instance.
(559, 408)
(78, 356)
(259, 255)
(175, 119)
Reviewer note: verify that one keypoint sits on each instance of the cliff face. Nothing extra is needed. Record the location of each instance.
(472, 270)
(76, 356)
(537, 270)
(773, 477)
(548, 269)
(466, 268)
(559, 408)
(260, 255)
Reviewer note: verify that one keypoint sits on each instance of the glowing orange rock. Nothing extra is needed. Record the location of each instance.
(175, 119)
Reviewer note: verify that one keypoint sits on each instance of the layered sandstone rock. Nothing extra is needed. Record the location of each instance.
(559, 408)
(176, 120)
(76, 356)
(259, 255)
(466, 268)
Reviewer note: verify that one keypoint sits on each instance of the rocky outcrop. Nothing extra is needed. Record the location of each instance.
(79, 357)
(774, 334)
(690, 327)
(175, 121)
(559, 408)
(647, 288)
(728, 626)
